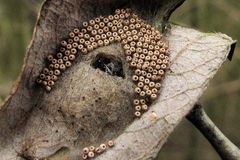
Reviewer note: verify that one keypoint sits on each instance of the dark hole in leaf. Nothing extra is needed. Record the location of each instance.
(109, 64)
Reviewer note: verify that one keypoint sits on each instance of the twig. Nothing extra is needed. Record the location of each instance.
(225, 148)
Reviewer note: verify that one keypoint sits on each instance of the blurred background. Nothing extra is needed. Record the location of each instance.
(221, 100)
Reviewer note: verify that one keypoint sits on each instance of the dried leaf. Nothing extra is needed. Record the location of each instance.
(196, 58)
(89, 106)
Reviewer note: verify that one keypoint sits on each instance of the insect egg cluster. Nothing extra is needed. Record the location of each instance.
(91, 152)
(145, 51)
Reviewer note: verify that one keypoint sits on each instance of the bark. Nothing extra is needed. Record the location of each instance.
(88, 106)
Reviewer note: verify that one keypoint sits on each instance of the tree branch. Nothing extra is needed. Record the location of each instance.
(225, 148)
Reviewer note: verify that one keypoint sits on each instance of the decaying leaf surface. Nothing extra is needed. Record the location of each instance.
(196, 57)
(87, 107)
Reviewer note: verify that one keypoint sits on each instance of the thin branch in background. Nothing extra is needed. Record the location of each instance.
(224, 147)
